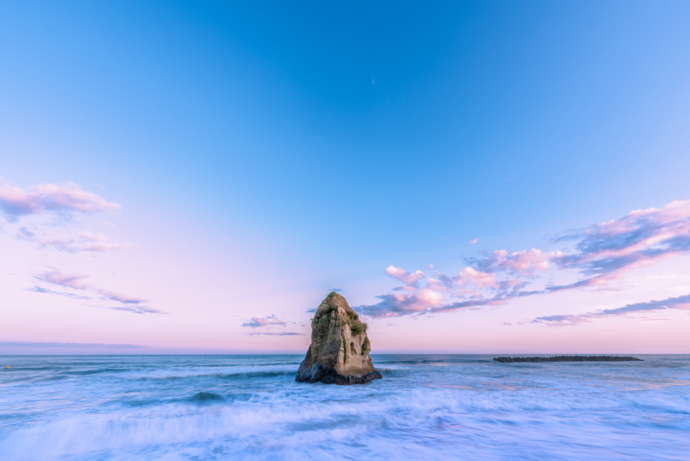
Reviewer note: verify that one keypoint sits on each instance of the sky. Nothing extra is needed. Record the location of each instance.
(474, 177)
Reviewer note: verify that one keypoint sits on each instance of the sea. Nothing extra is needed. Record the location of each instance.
(427, 407)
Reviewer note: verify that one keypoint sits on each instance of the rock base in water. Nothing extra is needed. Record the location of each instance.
(316, 373)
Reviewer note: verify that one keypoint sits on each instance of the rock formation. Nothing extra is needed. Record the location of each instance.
(339, 350)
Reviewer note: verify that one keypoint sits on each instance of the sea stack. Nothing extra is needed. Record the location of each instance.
(339, 349)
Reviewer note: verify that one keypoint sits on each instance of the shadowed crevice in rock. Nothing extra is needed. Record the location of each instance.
(339, 350)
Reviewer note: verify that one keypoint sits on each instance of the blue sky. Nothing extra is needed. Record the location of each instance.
(277, 150)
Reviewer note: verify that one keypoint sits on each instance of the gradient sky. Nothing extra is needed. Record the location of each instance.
(196, 176)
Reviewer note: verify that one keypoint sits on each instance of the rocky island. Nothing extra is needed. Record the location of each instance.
(568, 358)
(339, 349)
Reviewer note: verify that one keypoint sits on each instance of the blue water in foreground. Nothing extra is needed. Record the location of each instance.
(426, 407)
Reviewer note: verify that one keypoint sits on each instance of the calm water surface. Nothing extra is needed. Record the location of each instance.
(432, 407)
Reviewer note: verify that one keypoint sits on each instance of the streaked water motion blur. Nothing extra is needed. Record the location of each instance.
(430, 407)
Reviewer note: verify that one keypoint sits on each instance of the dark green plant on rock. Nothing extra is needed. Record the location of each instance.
(357, 327)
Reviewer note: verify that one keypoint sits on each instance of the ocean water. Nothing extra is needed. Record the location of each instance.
(431, 407)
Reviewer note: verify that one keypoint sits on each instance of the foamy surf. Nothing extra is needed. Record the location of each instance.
(249, 407)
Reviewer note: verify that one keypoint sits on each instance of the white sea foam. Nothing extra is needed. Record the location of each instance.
(228, 408)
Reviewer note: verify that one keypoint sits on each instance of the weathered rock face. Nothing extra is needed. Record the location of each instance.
(339, 350)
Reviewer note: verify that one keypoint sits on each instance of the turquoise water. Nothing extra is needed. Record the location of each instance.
(431, 407)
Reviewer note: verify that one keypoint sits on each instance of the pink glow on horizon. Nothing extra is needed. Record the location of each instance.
(189, 298)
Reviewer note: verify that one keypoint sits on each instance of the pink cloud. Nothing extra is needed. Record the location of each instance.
(77, 283)
(406, 277)
(37, 207)
(269, 325)
(257, 322)
(64, 280)
(46, 198)
(399, 304)
(525, 261)
(601, 253)
(471, 276)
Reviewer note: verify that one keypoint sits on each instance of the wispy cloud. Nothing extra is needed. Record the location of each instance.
(50, 198)
(136, 309)
(518, 262)
(124, 299)
(269, 325)
(88, 242)
(42, 214)
(39, 289)
(85, 291)
(258, 322)
(678, 302)
(64, 280)
(596, 255)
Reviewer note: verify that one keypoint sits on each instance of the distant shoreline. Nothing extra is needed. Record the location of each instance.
(569, 358)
